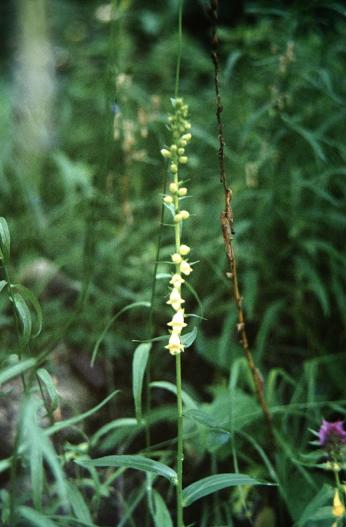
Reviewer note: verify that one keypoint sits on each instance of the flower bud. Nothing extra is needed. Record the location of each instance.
(187, 137)
(166, 153)
(176, 258)
(183, 160)
(182, 142)
(181, 151)
(168, 200)
(174, 148)
(184, 214)
(182, 191)
(184, 250)
(173, 168)
(178, 217)
(173, 187)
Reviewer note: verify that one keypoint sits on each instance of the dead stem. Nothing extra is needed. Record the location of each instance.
(226, 220)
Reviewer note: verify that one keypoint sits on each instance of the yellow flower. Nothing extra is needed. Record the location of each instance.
(185, 268)
(175, 299)
(173, 187)
(338, 507)
(184, 214)
(176, 258)
(184, 250)
(176, 280)
(174, 345)
(166, 153)
(177, 323)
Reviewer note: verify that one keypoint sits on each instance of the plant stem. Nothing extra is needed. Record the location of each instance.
(180, 47)
(180, 448)
(227, 232)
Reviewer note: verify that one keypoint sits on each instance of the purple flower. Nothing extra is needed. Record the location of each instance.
(332, 434)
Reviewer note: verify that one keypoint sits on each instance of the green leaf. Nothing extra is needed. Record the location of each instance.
(197, 415)
(212, 484)
(137, 462)
(36, 473)
(49, 385)
(170, 387)
(112, 320)
(78, 418)
(122, 422)
(38, 446)
(162, 517)
(36, 518)
(30, 298)
(139, 364)
(325, 495)
(189, 338)
(78, 504)
(17, 369)
(24, 316)
(5, 240)
(3, 284)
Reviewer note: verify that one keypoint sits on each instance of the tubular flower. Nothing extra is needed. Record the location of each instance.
(175, 299)
(176, 280)
(175, 153)
(174, 344)
(177, 323)
(185, 268)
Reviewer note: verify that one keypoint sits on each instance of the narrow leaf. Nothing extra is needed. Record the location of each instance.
(78, 504)
(162, 516)
(139, 364)
(205, 419)
(5, 240)
(30, 298)
(3, 284)
(170, 387)
(212, 484)
(49, 385)
(36, 518)
(137, 462)
(24, 316)
(78, 418)
(17, 369)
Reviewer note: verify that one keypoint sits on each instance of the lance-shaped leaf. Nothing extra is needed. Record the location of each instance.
(137, 462)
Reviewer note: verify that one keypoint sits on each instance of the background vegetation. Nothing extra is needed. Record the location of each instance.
(84, 95)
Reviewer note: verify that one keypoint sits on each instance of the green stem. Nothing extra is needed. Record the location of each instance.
(180, 47)
(180, 448)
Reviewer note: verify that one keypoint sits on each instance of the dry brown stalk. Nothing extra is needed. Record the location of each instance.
(227, 222)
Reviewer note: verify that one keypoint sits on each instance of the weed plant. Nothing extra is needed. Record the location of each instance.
(82, 234)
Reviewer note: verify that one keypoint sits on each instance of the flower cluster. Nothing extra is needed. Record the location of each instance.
(179, 127)
(332, 434)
